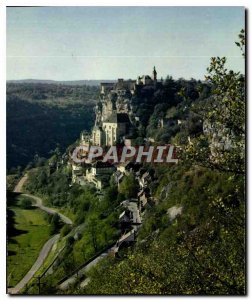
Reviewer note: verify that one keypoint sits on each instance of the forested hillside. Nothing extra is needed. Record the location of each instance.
(41, 117)
(193, 239)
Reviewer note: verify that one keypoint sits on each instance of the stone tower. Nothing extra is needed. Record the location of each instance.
(154, 74)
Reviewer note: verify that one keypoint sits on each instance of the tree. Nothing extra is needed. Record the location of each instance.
(55, 223)
(65, 230)
(222, 146)
(93, 229)
(129, 186)
(202, 251)
(25, 203)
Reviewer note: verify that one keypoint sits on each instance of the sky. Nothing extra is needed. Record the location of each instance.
(77, 43)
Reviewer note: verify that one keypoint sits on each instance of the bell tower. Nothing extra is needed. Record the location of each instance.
(154, 74)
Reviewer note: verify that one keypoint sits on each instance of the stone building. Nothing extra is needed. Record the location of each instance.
(85, 139)
(105, 87)
(114, 108)
(115, 127)
(98, 136)
(99, 174)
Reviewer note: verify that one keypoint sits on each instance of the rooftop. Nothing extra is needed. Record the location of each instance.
(118, 118)
(99, 164)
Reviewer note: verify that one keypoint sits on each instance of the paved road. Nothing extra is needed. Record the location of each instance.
(38, 263)
(39, 201)
(70, 281)
(19, 186)
(47, 246)
(130, 205)
(39, 204)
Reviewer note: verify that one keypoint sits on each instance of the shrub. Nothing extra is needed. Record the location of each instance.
(25, 203)
(65, 230)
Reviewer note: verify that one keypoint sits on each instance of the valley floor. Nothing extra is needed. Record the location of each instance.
(32, 231)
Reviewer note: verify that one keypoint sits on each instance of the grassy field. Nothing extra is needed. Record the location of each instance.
(25, 239)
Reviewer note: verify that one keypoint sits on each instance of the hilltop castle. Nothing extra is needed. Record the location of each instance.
(114, 111)
(113, 125)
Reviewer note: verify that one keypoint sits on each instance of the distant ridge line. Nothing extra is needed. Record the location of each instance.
(90, 82)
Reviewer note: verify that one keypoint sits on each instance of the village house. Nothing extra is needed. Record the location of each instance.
(144, 180)
(143, 196)
(99, 174)
(126, 217)
(85, 139)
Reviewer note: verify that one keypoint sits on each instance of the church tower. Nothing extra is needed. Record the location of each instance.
(154, 74)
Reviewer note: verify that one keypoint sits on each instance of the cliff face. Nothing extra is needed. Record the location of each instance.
(116, 99)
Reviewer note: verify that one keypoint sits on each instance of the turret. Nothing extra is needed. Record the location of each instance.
(154, 74)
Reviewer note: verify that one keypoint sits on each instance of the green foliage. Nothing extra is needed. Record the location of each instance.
(192, 240)
(129, 186)
(55, 224)
(38, 115)
(27, 232)
(241, 44)
(70, 241)
(225, 114)
(199, 250)
(54, 185)
(65, 230)
(96, 215)
(25, 203)
(174, 112)
(11, 181)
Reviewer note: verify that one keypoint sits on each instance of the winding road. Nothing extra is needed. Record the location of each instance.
(130, 236)
(39, 204)
(39, 201)
(47, 246)
(38, 263)
(72, 279)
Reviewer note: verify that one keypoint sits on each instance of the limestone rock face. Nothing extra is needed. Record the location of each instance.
(111, 125)
(174, 211)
